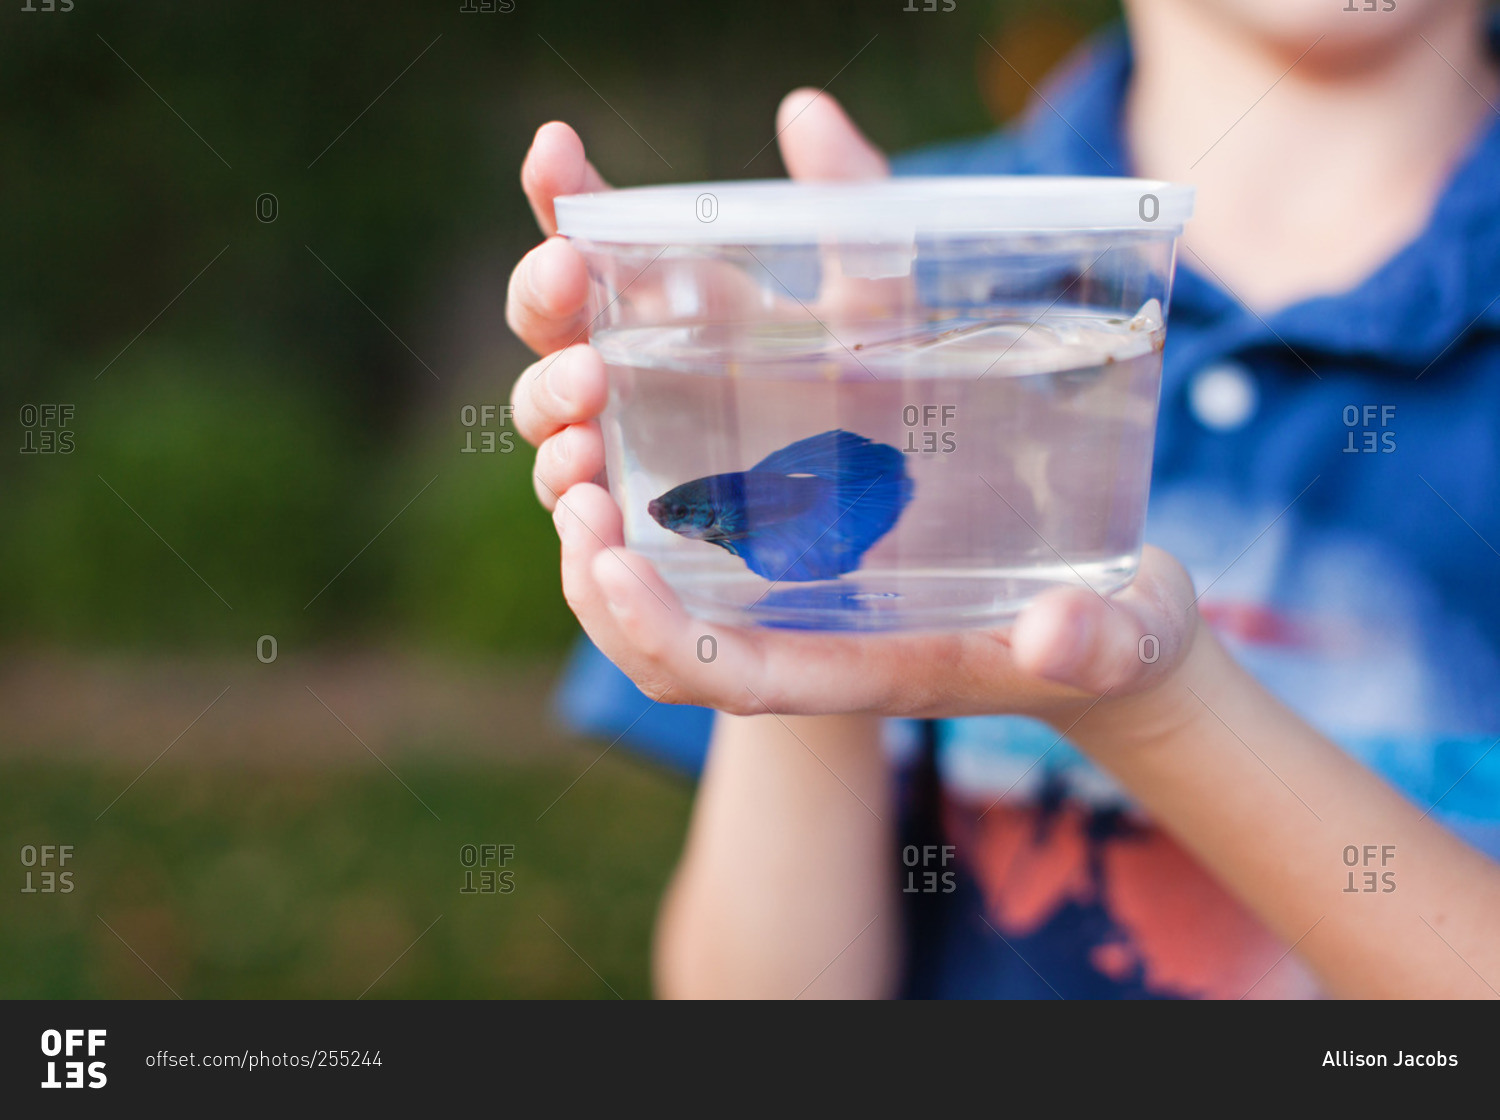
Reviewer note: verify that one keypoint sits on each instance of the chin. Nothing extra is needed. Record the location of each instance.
(1293, 24)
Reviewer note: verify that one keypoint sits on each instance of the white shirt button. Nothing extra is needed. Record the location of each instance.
(1223, 396)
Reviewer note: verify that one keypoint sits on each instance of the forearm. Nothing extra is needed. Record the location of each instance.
(1270, 807)
(785, 887)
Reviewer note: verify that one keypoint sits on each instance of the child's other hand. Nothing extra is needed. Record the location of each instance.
(558, 398)
(1068, 648)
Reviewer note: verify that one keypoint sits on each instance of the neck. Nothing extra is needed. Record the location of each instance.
(1312, 166)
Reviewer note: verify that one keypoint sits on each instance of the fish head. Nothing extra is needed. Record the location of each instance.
(687, 510)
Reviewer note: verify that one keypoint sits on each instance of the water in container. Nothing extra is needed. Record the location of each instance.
(892, 475)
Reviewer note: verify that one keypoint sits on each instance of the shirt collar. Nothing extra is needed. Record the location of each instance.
(1410, 311)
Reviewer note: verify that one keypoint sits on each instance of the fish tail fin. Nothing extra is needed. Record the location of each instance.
(870, 490)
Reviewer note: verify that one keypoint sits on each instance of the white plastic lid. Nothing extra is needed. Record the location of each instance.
(781, 211)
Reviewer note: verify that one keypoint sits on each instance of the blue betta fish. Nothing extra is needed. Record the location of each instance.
(809, 511)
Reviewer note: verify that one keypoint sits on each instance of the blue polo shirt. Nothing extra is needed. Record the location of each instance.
(1330, 476)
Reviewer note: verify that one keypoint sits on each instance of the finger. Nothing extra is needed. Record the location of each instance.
(819, 142)
(1075, 637)
(545, 301)
(556, 165)
(573, 455)
(568, 387)
(589, 525)
(751, 672)
(734, 669)
(671, 654)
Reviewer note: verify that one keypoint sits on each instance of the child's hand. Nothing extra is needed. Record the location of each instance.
(1068, 648)
(1065, 650)
(557, 399)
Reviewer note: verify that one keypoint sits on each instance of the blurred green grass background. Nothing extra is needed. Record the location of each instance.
(310, 884)
(265, 409)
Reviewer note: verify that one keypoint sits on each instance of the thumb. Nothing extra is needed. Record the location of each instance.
(1127, 644)
(819, 142)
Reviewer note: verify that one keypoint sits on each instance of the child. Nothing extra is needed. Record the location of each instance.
(1108, 826)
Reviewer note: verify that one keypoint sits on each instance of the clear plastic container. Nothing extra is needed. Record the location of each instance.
(900, 405)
